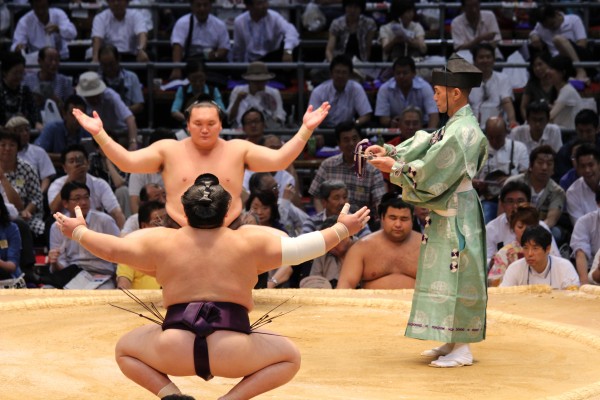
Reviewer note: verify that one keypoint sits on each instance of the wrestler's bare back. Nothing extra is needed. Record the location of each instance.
(207, 265)
(387, 264)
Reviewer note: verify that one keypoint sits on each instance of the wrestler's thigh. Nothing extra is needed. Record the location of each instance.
(234, 355)
(170, 352)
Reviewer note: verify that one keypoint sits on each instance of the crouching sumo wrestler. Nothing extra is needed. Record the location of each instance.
(207, 273)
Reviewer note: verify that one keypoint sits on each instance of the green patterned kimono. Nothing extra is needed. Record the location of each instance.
(435, 172)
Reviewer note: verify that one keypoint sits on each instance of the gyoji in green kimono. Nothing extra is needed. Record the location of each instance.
(435, 171)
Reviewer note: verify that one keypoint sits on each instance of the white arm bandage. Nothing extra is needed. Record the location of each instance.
(302, 248)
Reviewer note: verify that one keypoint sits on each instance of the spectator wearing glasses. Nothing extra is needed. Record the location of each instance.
(495, 95)
(126, 83)
(151, 192)
(151, 214)
(68, 258)
(253, 125)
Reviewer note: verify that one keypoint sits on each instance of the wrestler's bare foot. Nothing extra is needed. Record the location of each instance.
(460, 356)
(439, 351)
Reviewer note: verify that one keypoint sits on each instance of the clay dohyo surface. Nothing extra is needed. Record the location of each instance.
(540, 344)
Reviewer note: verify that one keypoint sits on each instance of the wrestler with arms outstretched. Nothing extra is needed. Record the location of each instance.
(180, 162)
(206, 288)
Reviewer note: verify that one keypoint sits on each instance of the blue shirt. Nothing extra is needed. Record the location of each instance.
(344, 105)
(10, 248)
(391, 100)
(55, 138)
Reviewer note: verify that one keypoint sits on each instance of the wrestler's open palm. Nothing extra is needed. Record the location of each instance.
(92, 125)
(312, 118)
(354, 222)
(66, 225)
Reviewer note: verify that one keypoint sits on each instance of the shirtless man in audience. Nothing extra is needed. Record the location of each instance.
(207, 290)
(388, 258)
(204, 151)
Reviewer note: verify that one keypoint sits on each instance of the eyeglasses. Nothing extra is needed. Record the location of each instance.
(80, 198)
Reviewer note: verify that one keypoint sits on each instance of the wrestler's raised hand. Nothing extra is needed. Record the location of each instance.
(66, 225)
(92, 125)
(354, 222)
(312, 118)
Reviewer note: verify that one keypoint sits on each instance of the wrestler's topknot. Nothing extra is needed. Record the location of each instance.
(206, 202)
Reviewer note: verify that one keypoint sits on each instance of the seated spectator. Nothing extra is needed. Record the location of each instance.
(67, 258)
(253, 125)
(10, 251)
(256, 94)
(388, 258)
(290, 217)
(197, 88)
(76, 165)
(103, 168)
(348, 99)
(560, 34)
(586, 131)
(402, 36)
(537, 131)
(408, 122)
(498, 231)
(274, 142)
(123, 28)
(474, 27)
(506, 157)
(495, 95)
(539, 267)
(144, 183)
(43, 26)
(548, 197)
(150, 193)
(351, 34)
(329, 265)
(523, 216)
(594, 275)
(126, 83)
(365, 191)
(404, 90)
(581, 195)
(34, 155)
(199, 35)
(539, 86)
(116, 116)
(21, 183)
(58, 135)
(16, 98)
(48, 83)
(152, 214)
(260, 34)
(585, 240)
(568, 103)
(333, 194)
(571, 175)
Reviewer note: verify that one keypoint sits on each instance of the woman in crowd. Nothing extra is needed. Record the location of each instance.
(539, 86)
(568, 103)
(352, 33)
(16, 98)
(524, 216)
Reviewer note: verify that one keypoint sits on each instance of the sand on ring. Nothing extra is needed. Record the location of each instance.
(540, 344)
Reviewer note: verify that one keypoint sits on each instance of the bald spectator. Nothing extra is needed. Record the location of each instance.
(406, 89)
(495, 95)
(138, 183)
(262, 34)
(561, 34)
(408, 122)
(150, 193)
(585, 240)
(348, 99)
(388, 258)
(474, 26)
(538, 131)
(581, 195)
(123, 28)
(43, 26)
(506, 157)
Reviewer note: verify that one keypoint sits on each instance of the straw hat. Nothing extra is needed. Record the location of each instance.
(17, 121)
(257, 71)
(90, 85)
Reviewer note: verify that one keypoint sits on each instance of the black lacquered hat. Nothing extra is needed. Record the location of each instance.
(458, 73)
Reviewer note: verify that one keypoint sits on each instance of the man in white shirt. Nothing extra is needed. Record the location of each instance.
(581, 195)
(539, 267)
(261, 34)
(537, 131)
(44, 26)
(561, 34)
(495, 96)
(585, 241)
(123, 28)
(474, 26)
